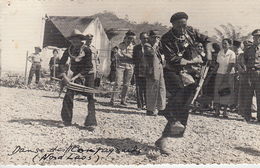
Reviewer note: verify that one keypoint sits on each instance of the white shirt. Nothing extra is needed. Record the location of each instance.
(224, 60)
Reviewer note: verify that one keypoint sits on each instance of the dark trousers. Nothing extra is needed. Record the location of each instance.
(35, 69)
(177, 108)
(67, 108)
(56, 74)
(253, 79)
(140, 91)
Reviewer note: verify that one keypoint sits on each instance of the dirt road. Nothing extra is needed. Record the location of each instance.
(30, 134)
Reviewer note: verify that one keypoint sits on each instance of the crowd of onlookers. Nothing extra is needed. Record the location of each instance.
(230, 84)
(224, 88)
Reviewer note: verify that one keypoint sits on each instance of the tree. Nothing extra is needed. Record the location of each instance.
(230, 31)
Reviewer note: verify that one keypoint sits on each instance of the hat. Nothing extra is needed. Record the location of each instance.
(76, 33)
(154, 33)
(256, 32)
(38, 47)
(130, 33)
(247, 43)
(89, 36)
(178, 16)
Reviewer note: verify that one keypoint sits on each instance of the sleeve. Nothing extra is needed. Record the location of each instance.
(30, 58)
(218, 56)
(149, 53)
(168, 51)
(120, 51)
(232, 58)
(50, 62)
(63, 61)
(87, 62)
(135, 55)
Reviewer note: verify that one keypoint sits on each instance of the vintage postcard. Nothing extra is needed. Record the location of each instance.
(117, 82)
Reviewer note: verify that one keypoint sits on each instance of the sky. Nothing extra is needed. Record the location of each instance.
(203, 14)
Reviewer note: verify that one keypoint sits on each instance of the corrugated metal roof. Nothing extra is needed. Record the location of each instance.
(66, 24)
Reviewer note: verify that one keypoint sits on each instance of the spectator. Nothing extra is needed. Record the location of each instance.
(155, 85)
(238, 69)
(208, 88)
(54, 64)
(140, 71)
(252, 62)
(125, 67)
(112, 75)
(225, 78)
(36, 60)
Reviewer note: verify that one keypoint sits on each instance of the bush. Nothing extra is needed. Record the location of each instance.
(46, 84)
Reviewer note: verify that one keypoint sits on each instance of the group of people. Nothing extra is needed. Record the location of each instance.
(171, 64)
(174, 64)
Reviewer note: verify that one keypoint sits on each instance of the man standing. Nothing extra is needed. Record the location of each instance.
(252, 62)
(178, 44)
(140, 71)
(36, 60)
(125, 66)
(155, 86)
(82, 68)
(95, 56)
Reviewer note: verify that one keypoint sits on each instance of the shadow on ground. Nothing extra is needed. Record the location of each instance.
(50, 123)
(126, 145)
(117, 105)
(53, 97)
(118, 111)
(231, 116)
(249, 151)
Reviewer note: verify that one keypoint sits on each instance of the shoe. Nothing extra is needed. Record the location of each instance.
(139, 109)
(161, 112)
(150, 113)
(249, 119)
(111, 103)
(217, 113)
(88, 127)
(162, 145)
(225, 116)
(123, 103)
(64, 124)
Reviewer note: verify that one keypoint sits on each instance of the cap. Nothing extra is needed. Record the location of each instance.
(89, 36)
(178, 16)
(256, 32)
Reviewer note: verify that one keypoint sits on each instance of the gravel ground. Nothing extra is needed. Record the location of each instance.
(30, 134)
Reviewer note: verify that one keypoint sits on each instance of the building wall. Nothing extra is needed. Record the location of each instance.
(102, 44)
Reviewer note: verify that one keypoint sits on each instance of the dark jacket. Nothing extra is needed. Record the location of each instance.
(84, 66)
(172, 46)
(139, 61)
(250, 58)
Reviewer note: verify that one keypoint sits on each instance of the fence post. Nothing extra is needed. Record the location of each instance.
(25, 80)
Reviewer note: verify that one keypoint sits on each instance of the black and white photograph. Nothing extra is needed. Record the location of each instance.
(130, 83)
